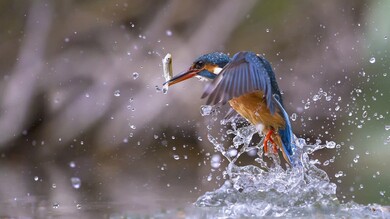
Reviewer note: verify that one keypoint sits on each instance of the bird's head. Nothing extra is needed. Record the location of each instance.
(207, 66)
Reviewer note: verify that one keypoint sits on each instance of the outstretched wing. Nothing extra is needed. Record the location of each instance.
(245, 73)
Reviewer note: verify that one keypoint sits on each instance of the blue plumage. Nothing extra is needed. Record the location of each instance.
(217, 58)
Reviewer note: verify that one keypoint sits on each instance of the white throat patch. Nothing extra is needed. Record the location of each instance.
(217, 70)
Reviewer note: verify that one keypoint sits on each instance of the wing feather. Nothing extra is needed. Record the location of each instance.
(226, 93)
(250, 79)
(244, 79)
(245, 73)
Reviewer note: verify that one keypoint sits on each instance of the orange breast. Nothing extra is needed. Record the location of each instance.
(253, 107)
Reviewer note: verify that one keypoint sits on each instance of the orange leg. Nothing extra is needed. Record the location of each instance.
(275, 149)
(269, 139)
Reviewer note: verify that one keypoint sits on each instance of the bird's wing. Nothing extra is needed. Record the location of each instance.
(245, 73)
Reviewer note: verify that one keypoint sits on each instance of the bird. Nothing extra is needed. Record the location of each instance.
(247, 82)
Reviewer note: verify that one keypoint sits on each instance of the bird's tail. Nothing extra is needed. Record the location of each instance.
(287, 144)
(286, 135)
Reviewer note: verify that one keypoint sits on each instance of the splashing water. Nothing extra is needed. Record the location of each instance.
(270, 190)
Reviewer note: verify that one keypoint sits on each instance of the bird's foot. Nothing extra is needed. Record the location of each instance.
(267, 139)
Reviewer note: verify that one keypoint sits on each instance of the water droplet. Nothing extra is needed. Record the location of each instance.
(267, 30)
(76, 182)
(337, 108)
(307, 105)
(232, 152)
(66, 40)
(176, 157)
(356, 159)
(328, 98)
(364, 115)
(54, 186)
(165, 89)
(215, 161)
(372, 60)
(382, 193)
(330, 144)
(200, 138)
(158, 89)
(56, 205)
(351, 147)
(117, 93)
(385, 37)
(87, 95)
(78, 206)
(387, 127)
(326, 163)
(155, 136)
(36, 178)
(206, 110)
(133, 127)
(168, 33)
(387, 140)
(209, 177)
(338, 174)
(293, 117)
(135, 75)
(72, 164)
(316, 97)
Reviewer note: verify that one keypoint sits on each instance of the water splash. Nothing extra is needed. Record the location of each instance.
(270, 189)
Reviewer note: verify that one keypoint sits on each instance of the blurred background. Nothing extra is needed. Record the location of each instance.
(83, 120)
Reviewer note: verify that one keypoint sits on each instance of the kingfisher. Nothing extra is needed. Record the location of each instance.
(247, 82)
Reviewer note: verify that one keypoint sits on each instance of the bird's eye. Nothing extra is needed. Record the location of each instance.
(199, 65)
